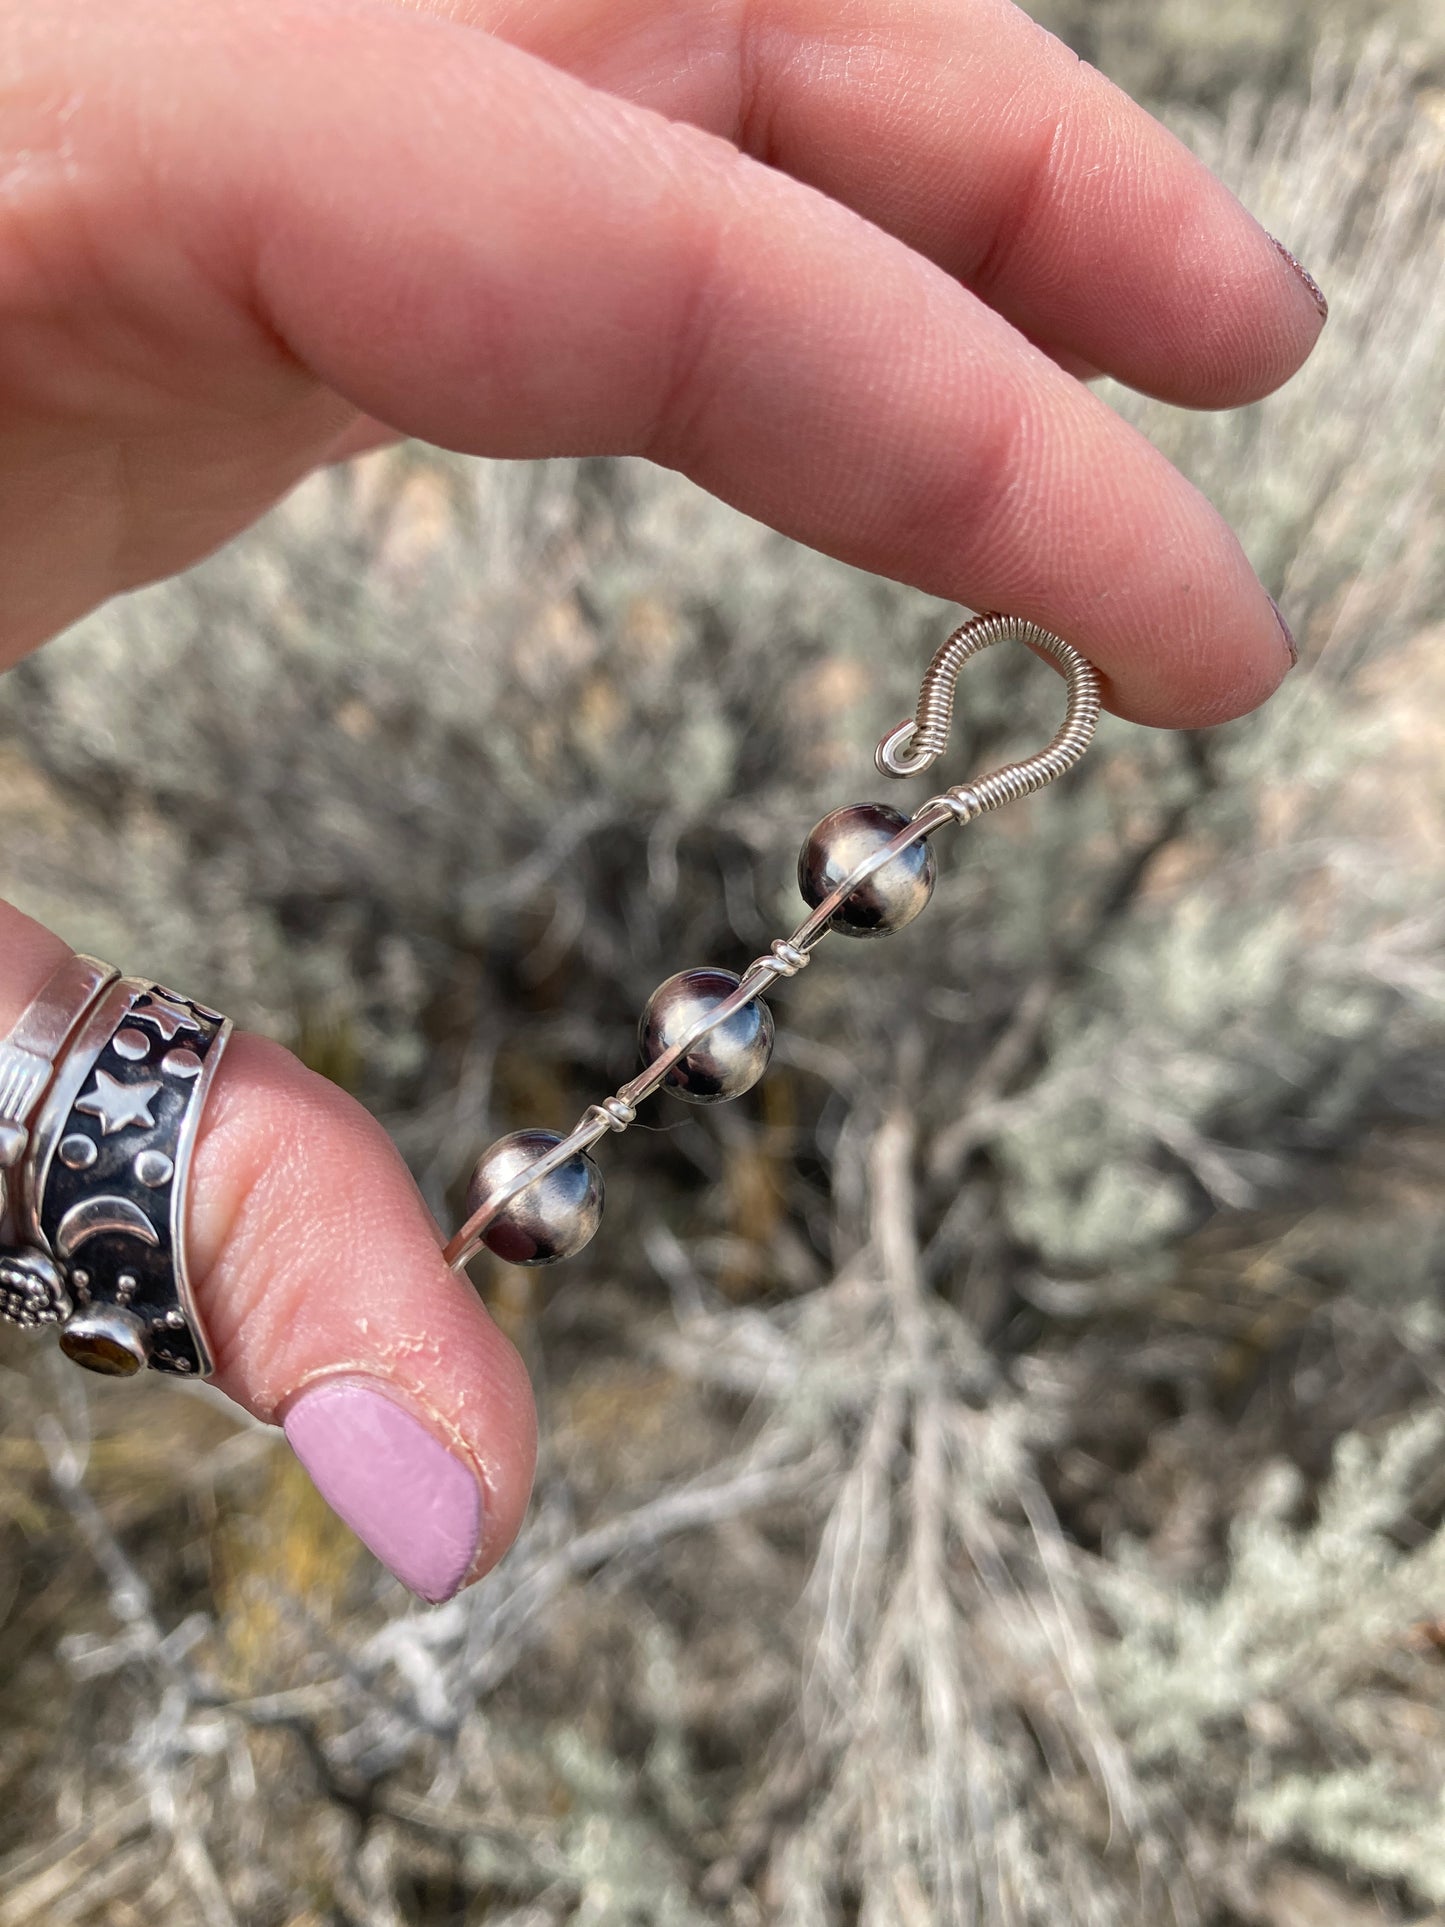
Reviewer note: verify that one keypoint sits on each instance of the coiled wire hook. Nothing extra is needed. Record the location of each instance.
(918, 742)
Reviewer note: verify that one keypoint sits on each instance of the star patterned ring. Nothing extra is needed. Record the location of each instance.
(100, 1206)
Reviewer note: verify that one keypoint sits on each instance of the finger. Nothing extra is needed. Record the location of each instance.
(319, 1279)
(1071, 363)
(469, 245)
(517, 265)
(983, 142)
(361, 437)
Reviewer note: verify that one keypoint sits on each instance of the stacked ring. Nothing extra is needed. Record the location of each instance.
(29, 1053)
(99, 1208)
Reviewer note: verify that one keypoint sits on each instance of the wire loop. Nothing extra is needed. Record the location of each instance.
(918, 742)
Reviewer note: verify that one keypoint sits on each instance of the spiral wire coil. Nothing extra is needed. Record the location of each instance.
(918, 742)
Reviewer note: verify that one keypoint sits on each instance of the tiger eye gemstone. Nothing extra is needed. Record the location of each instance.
(729, 1059)
(883, 902)
(551, 1218)
(107, 1339)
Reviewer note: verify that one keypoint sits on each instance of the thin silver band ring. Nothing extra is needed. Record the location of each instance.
(29, 1054)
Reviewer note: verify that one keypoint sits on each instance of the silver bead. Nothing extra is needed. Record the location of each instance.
(553, 1217)
(883, 902)
(725, 1062)
(109, 1339)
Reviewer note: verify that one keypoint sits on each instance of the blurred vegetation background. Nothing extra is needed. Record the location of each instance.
(995, 1473)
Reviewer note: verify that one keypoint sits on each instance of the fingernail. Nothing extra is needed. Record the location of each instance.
(408, 1498)
(1285, 631)
(1317, 293)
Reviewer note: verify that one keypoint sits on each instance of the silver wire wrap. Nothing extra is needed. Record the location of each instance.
(926, 733)
(918, 742)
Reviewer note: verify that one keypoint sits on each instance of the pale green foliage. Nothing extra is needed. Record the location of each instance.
(1301, 1612)
(1282, 1669)
(1360, 1816)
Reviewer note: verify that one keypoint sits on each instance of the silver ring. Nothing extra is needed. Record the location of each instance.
(28, 1055)
(101, 1202)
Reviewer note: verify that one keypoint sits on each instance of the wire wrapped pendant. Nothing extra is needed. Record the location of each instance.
(865, 870)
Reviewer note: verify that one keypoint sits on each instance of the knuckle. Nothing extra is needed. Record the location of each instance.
(285, 1162)
(961, 509)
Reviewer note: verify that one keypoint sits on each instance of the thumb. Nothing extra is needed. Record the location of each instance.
(318, 1277)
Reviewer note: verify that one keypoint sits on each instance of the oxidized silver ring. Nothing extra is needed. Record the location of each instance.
(100, 1205)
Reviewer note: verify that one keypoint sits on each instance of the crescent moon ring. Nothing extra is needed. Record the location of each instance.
(92, 1216)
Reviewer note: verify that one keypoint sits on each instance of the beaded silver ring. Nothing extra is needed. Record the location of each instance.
(706, 1035)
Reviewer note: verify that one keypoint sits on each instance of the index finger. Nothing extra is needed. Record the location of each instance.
(481, 250)
(965, 129)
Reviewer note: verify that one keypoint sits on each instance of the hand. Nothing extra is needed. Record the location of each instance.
(840, 264)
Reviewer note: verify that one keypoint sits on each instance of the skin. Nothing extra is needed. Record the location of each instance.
(842, 264)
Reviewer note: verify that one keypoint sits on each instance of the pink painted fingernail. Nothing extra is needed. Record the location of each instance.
(1317, 293)
(408, 1498)
(1286, 632)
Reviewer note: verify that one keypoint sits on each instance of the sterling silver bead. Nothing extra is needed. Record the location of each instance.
(553, 1217)
(883, 902)
(725, 1062)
